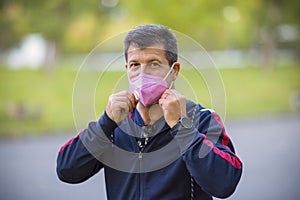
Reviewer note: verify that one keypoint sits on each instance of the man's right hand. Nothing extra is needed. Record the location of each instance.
(119, 105)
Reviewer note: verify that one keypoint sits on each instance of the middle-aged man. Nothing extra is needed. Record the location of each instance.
(152, 142)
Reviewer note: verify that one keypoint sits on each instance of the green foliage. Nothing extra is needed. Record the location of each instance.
(77, 26)
(12, 28)
(251, 91)
(34, 102)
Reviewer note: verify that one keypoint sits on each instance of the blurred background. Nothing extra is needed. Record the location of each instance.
(255, 46)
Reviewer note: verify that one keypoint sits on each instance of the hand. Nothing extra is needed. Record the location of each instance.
(119, 105)
(173, 105)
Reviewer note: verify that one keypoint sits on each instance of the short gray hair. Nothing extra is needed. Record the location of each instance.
(144, 36)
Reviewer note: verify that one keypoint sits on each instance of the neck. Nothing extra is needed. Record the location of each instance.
(150, 114)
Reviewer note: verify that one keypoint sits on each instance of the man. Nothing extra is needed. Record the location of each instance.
(151, 141)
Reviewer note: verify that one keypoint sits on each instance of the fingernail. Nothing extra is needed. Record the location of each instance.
(136, 95)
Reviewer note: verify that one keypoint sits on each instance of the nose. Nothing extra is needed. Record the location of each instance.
(144, 69)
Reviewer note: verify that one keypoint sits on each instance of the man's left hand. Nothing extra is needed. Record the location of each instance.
(173, 105)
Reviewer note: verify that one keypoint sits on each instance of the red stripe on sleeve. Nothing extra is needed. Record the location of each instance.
(70, 141)
(65, 145)
(225, 138)
(235, 161)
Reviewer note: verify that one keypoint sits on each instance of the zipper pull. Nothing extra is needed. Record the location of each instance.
(140, 144)
(140, 155)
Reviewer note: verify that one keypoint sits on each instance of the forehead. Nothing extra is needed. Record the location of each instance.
(152, 52)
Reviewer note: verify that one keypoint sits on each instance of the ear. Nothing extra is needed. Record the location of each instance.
(176, 70)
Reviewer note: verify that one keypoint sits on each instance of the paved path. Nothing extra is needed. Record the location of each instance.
(268, 146)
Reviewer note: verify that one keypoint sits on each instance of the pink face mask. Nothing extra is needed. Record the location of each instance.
(148, 89)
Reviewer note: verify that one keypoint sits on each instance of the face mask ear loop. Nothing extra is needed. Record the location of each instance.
(171, 85)
(171, 69)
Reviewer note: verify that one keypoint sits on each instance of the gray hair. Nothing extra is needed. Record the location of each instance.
(144, 36)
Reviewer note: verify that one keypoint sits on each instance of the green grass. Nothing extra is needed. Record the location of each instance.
(45, 100)
(251, 91)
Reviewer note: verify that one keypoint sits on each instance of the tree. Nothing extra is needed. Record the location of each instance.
(12, 28)
(76, 26)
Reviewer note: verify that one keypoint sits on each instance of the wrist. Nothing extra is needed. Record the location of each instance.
(106, 120)
(185, 122)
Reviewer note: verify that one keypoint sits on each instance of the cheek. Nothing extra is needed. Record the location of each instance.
(162, 72)
(170, 83)
(171, 77)
(171, 80)
(132, 74)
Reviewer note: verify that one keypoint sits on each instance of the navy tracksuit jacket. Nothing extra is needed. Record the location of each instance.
(155, 162)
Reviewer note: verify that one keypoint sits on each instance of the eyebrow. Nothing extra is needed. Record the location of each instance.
(132, 61)
(154, 59)
(148, 61)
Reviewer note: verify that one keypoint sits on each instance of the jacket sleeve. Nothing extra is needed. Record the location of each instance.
(210, 156)
(77, 159)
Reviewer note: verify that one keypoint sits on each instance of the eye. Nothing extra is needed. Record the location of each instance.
(134, 65)
(154, 65)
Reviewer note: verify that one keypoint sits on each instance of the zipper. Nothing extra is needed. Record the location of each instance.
(141, 186)
(141, 146)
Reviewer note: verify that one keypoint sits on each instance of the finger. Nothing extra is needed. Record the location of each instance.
(119, 103)
(133, 101)
(162, 103)
(126, 101)
(130, 100)
(123, 93)
(165, 94)
(123, 106)
(118, 98)
(175, 95)
(130, 104)
(133, 98)
(168, 92)
(175, 92)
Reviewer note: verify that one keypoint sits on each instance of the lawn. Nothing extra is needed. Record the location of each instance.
(36, 102)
